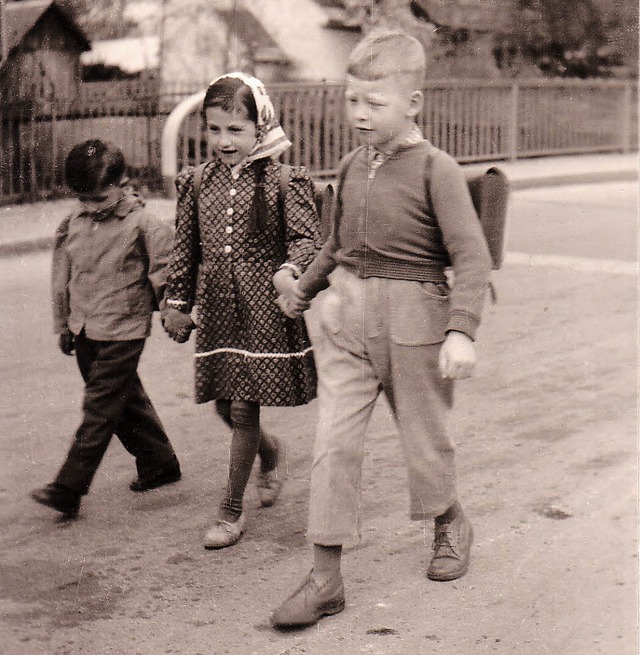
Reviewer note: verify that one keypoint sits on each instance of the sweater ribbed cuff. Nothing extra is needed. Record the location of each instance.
(463, 322)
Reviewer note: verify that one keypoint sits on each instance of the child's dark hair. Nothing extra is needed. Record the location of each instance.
(232, 94)
(93, 165)
(229, 93)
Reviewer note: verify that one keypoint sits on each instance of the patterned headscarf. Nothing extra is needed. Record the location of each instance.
(271, 139)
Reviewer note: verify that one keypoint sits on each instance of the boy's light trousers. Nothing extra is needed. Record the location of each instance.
(374, 335)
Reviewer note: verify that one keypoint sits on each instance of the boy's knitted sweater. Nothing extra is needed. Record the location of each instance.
(392, 224)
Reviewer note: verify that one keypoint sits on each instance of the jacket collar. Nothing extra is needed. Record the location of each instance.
(126, 203)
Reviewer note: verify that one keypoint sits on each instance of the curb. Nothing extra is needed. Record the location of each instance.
(589, 177)
(15, 248)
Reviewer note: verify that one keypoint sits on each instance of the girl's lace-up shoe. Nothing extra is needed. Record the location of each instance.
(310, 602)
(225, 533)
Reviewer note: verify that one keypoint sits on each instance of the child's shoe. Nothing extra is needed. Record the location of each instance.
(310, 602)
(451, 549)
(158, 478)
(270, 483)
(225, 533)
(59, 498)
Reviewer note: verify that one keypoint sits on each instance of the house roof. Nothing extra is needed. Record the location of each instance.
(21, 17)
(476, 15)
(251, 32)
(132, 54)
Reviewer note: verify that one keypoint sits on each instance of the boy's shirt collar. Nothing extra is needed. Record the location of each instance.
(377, 157)
(126, 203)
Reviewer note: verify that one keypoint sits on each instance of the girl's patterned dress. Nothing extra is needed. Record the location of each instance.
(246, 348)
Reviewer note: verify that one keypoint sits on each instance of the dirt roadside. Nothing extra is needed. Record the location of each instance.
(547, 461)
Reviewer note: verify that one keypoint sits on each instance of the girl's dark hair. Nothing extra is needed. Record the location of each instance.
(93, 165)
(229, 94)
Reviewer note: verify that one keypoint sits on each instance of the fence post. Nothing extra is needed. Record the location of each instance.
(513, 123)
(625, 123)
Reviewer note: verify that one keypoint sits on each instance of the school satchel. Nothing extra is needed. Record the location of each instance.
(323, 196)
(490, 194)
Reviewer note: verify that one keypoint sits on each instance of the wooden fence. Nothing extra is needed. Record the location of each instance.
(472, 120)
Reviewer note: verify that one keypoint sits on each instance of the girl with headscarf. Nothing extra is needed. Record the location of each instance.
(230, 240)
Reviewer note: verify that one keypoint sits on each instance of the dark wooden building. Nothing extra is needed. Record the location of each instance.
(43, 45)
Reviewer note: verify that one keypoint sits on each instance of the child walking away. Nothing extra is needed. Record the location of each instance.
(388, 319)
(235, 229)
(108, 276)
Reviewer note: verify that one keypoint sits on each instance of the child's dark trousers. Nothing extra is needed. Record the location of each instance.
(115, 402)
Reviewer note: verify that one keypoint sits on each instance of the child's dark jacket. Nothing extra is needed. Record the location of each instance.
(109, 270)
(391, 226)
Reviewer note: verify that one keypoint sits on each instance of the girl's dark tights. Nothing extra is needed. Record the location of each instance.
(247, 440)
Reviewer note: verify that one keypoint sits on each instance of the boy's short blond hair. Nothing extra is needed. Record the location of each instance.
(389, 53)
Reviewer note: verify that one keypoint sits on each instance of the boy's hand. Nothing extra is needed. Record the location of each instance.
(288, 309)
(457, 356)
(66, 342)
(291, 300)
(176, 324)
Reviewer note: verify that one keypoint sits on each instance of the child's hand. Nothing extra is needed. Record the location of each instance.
(177, 324)
(293, 302)
(288, 309)
(66, 342)
(457, 356)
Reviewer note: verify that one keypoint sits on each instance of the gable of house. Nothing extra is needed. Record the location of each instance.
(25, 20)
(43, 44)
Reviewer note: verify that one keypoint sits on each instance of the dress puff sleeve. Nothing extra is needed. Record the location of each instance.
(185, 254)
(302, 236)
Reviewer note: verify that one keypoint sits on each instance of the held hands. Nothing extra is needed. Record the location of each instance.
(66, 342)
(291, 300)
(457, 356)
(176, 324)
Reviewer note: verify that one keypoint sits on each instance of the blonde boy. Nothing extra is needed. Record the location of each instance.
(388, 320)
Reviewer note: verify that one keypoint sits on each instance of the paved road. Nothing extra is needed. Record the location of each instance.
(547, 460)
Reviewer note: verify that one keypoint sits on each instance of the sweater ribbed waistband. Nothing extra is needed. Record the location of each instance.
(374, 265)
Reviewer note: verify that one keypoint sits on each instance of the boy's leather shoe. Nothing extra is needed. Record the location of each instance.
(159, 477)
(225, 533)
(310, 602)
(269, 484)
(451, 549)
(59, 498)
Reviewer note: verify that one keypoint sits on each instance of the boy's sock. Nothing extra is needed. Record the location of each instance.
(450, 514)
(326, 561)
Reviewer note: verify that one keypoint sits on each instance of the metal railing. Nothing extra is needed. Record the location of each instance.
(472, 120)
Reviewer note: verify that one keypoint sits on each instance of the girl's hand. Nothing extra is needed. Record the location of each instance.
(286, 284)
(177, 324)
(457, 356)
